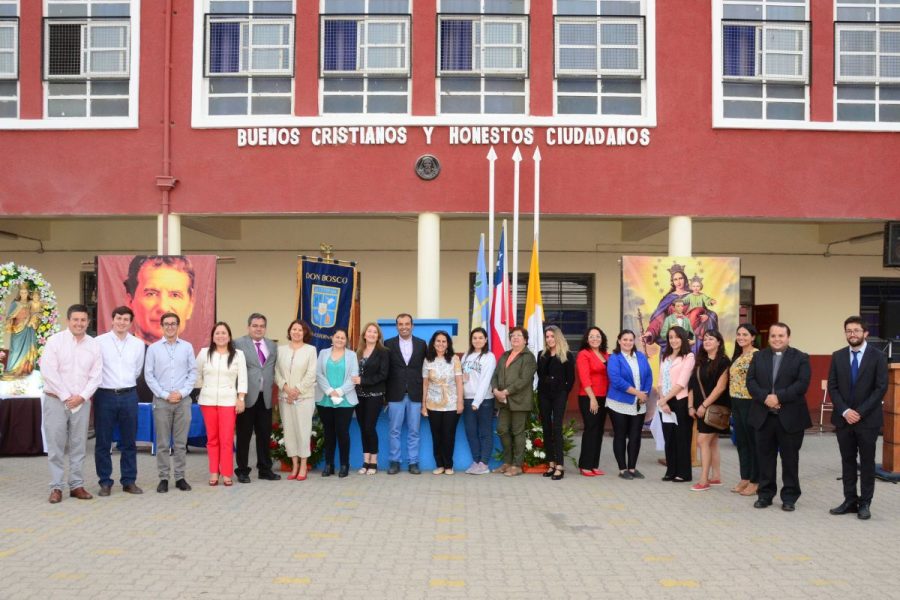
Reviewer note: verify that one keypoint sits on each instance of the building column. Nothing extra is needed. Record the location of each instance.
(174, 235)
(429, 267)
(680, 232)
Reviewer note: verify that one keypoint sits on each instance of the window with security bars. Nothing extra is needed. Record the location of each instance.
(85, 49)
(568, 302)
(9, 59)
(867, 72)
(364, 56)
(867, 11)
(249, 48)
(765, 59)
(873, 291)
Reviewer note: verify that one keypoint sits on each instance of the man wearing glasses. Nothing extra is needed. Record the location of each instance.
(857, 382)
(170, 371)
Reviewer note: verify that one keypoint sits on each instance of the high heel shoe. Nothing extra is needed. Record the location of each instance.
(227, 481)
(558, 474)
(213, 482)
(328, 471)
(345, 470)
(550, 471)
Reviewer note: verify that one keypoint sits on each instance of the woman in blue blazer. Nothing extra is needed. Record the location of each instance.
(630, 382)
(336, 398)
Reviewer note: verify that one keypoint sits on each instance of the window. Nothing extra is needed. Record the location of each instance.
(867, 61)
(9, 59)
(249, 46)
(364, 59)
(873, 291)
(600, 59)
(765, 59)
(482, 61)
(87, 58)
(249, 57)
(568, 302)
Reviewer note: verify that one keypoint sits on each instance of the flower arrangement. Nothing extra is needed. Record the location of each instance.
(316, 443)
(535, 453)
(12, 277)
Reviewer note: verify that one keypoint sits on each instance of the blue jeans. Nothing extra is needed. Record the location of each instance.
(110, 410)
(479, 431)
(412, 412)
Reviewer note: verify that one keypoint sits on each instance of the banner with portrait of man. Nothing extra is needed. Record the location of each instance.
(327, 293)
(154, 285)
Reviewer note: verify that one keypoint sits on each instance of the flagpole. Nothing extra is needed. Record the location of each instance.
(492, 158)
(517, 159)
(537, 194)
(506, 282)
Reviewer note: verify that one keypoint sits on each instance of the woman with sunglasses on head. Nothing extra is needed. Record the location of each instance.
(594, 381)
(630, 382)
(556, 376)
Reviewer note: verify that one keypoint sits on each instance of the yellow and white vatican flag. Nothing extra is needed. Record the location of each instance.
(534, 305)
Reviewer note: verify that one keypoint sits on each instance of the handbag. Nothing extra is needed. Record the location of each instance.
(716, 415)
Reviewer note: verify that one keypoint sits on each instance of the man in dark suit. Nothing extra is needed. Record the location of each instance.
(260, 353)
(857, 383)
(404, 392)
(777, 381)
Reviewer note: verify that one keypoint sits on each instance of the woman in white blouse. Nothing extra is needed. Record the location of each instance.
(222, 379)
(295, 376)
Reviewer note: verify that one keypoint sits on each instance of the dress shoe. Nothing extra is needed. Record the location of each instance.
(182, 485)
(55, 496)
(788, 507)
(328, 471)
(599, 472)
(393, 468)
(163, 486)
(668, 477)
(626, 475)
(270, 476)
(132, 488)
(414, 469)
(80, 493)
(243, 478)
(847, 506)
(105, 490)
(588, 473)
(637, 474)
(864, 513)
(762, 503)
(344, 471)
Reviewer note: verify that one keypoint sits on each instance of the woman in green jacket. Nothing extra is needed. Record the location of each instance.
(513, 382)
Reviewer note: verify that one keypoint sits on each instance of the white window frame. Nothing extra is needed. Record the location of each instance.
(479, 47)
(761, 73)
(88, 25)
(247, 24)
(599, 72)
(363, 23)
(11, 23)
(877, 54)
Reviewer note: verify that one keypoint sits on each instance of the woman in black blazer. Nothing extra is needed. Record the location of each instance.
(556, 376)
(374, 365)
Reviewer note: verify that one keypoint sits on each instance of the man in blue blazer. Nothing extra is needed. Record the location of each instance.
(777, 381)
(857, 383)
(404, 392)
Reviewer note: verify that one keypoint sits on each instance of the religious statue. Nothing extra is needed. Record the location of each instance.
(23, 317)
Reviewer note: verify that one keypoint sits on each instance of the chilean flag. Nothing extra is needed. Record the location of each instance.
(502, 315)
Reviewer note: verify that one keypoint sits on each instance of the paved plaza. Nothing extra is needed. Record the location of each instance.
(462, 536)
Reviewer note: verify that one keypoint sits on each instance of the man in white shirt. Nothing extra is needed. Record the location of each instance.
(116, 401)
(71, 367)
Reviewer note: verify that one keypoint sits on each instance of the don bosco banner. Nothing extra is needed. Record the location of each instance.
(327, 291)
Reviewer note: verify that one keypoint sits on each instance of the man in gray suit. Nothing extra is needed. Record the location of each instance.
(260, 353)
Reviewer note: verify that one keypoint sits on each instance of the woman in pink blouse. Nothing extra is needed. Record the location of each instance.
(674, 375)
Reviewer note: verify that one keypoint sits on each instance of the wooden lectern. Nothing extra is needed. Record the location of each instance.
(890, 467)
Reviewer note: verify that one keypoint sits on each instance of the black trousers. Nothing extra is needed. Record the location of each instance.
(443, 436)
(592, 437)
(336, 426)
(626, 438)
(553, 409)
(678, 441)
(772, 439)
(367, 412)
(256, 419)
(854, 441)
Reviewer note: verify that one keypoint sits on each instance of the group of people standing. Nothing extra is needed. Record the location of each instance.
(763, 391)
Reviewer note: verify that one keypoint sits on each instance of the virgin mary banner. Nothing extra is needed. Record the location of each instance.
(326, 295)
